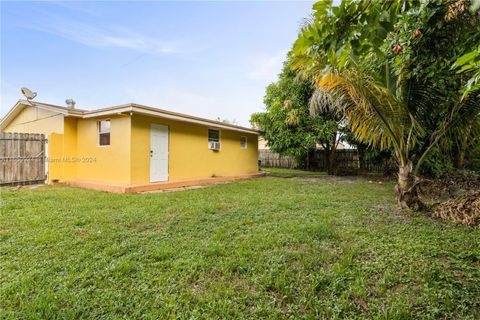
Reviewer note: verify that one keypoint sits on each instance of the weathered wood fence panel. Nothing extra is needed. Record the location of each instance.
(22, 156)
(270, 159)
(346, 161)
(349, 161)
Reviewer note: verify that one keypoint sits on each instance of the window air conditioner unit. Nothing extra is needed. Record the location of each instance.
(214, 145)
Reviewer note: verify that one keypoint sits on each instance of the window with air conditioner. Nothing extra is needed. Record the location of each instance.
(213, 139)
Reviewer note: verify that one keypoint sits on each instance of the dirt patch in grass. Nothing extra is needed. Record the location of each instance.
(177, 189)
(84, 233)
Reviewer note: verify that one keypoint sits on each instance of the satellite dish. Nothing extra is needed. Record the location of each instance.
(28, 93)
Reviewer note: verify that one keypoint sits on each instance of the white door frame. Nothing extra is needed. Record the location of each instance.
(45, 157)
(156, 174)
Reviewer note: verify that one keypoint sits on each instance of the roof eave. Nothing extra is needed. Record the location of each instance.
(140, 109)
(106, 112)
(125, 108)
(182, 118)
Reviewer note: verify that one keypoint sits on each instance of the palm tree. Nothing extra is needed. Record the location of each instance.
(386, 119)
(358, 75)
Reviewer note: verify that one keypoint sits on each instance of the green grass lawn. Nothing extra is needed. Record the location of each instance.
(293, 172)
(264, 248)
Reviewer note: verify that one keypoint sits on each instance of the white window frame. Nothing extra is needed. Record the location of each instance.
(219, 138)
(246, 142)
(109, 132)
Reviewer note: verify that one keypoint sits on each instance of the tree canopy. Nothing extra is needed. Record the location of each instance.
(389, 68)
(286, 123)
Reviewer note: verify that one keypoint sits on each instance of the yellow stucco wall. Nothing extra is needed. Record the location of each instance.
(62, 153)
(104, 163)
(70, 149)
(55, 156)
(35, 120)
(74, 152)
(189, 156)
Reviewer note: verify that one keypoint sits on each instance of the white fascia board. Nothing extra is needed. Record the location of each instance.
(53, 109)
(160, 114)
(21, 105)
(184, 119)
(17, 108)
(94, 114)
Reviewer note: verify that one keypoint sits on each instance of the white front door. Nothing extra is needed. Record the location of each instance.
(158, 153)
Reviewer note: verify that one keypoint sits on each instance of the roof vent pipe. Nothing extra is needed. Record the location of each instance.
(70, 103)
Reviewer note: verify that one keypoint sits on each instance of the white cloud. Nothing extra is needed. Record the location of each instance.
(85, 34)
(97, 38)
(267, 67)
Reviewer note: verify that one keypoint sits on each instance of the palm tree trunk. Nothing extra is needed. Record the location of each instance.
(407, 188)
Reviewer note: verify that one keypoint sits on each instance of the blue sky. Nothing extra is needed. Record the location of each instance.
(211, 59)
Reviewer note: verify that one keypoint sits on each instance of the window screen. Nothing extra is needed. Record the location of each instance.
(213, 135)
(243, 142)
(104, 133)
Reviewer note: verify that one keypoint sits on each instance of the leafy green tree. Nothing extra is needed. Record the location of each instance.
(470, 63)
(468, 141)
(287, 125)
(373, 62)
(433, 37)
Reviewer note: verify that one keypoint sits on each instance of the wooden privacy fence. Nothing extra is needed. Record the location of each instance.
(270, 159)
(22, 157)
(346, 161)
(349, 161)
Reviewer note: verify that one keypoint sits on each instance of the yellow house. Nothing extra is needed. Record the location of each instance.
(131, 147)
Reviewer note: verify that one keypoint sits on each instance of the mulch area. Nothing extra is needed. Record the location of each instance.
(465, 209)
(455, 197)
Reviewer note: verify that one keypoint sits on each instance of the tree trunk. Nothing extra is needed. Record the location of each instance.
(361, 158)
(330, 161)
(308, 160)
(460, 159)
(462, 148)
(330, 156)
(333, 156)
(407, 188)
(327, 160)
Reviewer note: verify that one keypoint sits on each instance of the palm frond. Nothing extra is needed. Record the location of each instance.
(377, 117)
(466, 125)
(323, 102)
